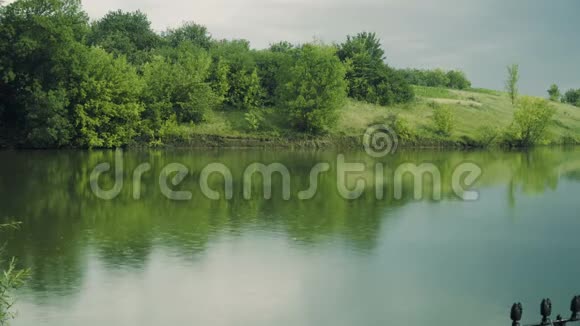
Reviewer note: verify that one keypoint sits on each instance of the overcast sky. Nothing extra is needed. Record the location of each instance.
(479, 37)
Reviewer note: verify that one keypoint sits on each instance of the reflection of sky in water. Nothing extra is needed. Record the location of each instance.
(376, 264)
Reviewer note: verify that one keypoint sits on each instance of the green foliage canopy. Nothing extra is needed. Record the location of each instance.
(40, 52)
(443, 119)
(189, 32)
(554, 93)
(314, 88)
(108, 110)
(177, 86)
(66, 82)
(531, 119)
(125, 33)
(572, 97)
(455, 79)
(369, 78)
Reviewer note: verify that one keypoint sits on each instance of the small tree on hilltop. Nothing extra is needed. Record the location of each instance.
(512, 82)
(554, 92)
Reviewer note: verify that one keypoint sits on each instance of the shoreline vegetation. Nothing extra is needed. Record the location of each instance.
(67, 82)
(480, 118)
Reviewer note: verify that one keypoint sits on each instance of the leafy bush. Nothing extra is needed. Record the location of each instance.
(218, 78)
(402, 128)
(314, 88)
(176, 83)
(437, 78)
(108, 110)
(271, 64)
(531, 119)
(10, 279)
(245, 89)
(246, 92)
(488, 135)
(443, 120)
(458, 80)
(254, 120)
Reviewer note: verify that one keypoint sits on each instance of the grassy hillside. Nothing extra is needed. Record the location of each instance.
(476, 112)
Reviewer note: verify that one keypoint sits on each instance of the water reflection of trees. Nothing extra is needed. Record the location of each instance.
(64, 222)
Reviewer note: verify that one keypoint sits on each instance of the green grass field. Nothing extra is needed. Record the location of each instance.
(475, 112)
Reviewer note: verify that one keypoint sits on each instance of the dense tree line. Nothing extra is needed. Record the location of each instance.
(572, 97)
(436, 78)
(65, 81)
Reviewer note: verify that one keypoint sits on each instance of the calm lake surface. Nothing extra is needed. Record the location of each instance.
(322, 261)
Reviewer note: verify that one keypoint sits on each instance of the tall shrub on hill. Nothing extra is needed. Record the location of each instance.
(531, 121)
(369, 78)
(314, 88)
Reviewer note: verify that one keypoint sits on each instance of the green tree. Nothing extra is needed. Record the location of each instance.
(511, 84)
(369, 78)
(457, 79)
(363, 55)
(282, 47)
(531, 119)
(271, 64)
(176, 85)
(48, 122)
(108, 109)
(554, 93)
(254, 92)
(392, 87)
(125, 33)
(247, 91)
(572, 97)
(402, 128)
(364, 48)
(218, 78)
(40, 47)
(242, 64)
(444, 120)
(436, 78)
(413, 76)
(191, 32)
(314, 88)
(254, 119)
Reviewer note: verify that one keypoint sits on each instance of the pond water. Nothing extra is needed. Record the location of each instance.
(326, 260)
